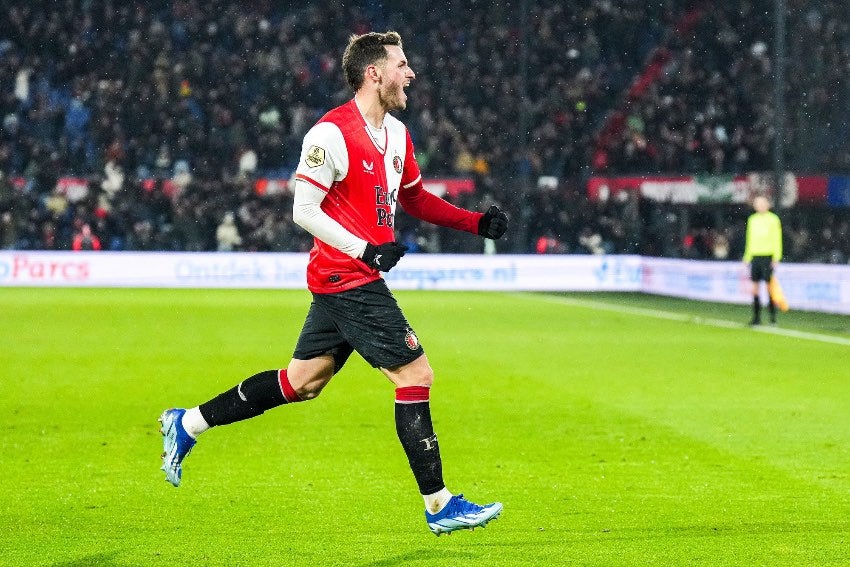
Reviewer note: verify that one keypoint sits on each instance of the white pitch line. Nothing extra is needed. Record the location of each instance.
(669, 315)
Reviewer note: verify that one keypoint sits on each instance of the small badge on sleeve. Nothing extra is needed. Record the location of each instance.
(315, 156)
(411, 340)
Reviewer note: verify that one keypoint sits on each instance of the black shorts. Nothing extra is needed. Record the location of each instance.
(366, 319)
(761, 268)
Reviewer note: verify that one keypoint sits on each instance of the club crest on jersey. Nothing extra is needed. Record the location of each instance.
(397, 164)
(315, 156)
(411, 340)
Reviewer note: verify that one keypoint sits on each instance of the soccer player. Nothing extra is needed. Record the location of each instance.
(762, 251)
(356, 165)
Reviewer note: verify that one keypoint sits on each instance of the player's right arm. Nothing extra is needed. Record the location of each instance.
(324, 160)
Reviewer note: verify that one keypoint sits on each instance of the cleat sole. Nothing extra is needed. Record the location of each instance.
(438, 532)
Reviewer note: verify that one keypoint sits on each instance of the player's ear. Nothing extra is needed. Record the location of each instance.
(373, 73)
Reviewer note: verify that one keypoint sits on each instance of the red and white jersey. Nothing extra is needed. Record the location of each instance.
(361, 173)
(364, 174)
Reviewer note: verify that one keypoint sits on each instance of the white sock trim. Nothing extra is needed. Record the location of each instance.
(194, 423)
(437, 501)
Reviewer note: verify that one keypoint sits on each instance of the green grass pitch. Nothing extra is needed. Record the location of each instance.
(612, 436)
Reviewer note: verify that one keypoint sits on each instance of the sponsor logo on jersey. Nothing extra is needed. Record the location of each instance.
(397, 164)
(315, 156)
(411, 340)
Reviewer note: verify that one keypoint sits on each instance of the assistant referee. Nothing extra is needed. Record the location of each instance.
(763, 251)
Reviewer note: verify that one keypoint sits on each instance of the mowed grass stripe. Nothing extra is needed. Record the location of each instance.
(689, 318)
(744, 391)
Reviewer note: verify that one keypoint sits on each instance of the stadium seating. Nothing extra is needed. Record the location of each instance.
(163, 115)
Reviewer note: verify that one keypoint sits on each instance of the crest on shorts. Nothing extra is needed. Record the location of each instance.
(397, 164)
(411, 340)
(315, 156)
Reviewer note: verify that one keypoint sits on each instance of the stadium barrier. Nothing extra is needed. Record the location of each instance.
(809, 287)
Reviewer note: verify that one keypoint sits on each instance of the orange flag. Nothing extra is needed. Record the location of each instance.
(776, 294)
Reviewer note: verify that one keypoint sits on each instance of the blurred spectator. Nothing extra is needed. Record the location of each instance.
(720, 245)
(227, 234)
(8, 231)
(590, 242)
(84, 239)
(549, 244)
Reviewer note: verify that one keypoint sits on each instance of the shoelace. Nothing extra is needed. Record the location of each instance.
(463, 506)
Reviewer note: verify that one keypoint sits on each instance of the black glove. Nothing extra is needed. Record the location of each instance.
(493, 224)
(383, 256)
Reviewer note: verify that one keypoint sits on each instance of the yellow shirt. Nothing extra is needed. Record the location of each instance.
(764, 236)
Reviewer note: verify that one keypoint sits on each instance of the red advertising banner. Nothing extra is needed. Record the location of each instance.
(449, 186)
(812, 189)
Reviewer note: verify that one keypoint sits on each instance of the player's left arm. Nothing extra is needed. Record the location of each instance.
(777, 246)
(417, 201)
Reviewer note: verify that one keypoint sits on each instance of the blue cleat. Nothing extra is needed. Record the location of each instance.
(176, 444)
(461, 514)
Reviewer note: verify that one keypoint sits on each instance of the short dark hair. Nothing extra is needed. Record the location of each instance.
(364, 50)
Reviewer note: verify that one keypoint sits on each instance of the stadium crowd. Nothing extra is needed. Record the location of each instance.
(169, 111)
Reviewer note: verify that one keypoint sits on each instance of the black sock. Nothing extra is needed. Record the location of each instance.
(756, 308)
(249, 398)
(771, 307)
(416, 433)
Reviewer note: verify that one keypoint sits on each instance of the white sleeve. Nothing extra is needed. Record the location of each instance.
(324, 157)
(307, 213)
(324, 160)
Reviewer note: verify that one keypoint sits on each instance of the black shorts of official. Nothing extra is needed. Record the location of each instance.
(761, 268)
(366, 319)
